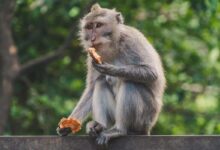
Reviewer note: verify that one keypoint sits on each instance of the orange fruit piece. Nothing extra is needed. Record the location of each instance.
(94, 55)
(72, 123)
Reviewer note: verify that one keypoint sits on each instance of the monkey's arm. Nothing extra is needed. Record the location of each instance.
(80, 112)
(84, 106)
(138, 73)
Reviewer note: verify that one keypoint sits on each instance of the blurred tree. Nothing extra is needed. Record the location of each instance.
(9, 65)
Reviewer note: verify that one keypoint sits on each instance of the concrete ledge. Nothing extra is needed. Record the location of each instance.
(123, 143)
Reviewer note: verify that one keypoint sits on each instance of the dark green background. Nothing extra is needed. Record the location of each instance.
(185, 33)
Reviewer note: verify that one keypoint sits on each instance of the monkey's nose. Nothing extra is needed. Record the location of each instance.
(93, 38)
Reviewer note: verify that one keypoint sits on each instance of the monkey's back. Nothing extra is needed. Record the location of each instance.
(138, 50)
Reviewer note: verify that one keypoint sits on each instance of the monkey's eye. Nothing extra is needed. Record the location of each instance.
(89, 26)
(99, 24)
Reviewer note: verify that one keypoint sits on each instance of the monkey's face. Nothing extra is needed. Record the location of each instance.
(98, 32)
(99, 27)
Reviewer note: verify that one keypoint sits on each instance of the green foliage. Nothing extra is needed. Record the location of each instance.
(185, 33)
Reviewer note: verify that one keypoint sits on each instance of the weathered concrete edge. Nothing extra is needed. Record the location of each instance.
(87, 136)
(154, 142)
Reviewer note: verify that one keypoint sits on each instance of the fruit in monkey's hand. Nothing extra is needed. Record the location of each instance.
(67, 125)
(94, 55)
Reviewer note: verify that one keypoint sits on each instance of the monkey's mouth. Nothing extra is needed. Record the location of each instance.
(96, 45)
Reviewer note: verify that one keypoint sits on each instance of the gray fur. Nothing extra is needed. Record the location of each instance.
(125, 92)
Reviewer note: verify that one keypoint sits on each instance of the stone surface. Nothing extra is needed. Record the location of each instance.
(123, 143)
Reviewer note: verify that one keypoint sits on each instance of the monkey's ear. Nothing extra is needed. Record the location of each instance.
(119, 18)
(95, 7)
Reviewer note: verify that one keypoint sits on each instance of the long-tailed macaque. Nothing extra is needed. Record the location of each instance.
(125, 92)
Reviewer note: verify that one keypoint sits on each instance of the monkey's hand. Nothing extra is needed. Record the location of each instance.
(63, 131)
(104, 68)
(68, 125)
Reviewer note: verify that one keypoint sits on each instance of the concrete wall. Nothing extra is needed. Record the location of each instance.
(123, 143)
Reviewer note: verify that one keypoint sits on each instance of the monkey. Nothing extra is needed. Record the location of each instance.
(124, 93)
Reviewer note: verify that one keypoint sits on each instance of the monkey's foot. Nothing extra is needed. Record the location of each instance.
(106, 135)
(93, 128)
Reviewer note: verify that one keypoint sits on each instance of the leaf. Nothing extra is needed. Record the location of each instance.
(214, 55)
(74, 12)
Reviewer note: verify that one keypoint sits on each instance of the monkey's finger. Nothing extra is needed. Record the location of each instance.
(94, 62)
(95, 124)
(99, 140)
(102, 140)
(63, 131)
(97, 64)
(93, 132)
(106, 140)
(100, 67)
(99, 128)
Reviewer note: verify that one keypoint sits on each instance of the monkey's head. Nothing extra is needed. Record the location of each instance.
(99, 27)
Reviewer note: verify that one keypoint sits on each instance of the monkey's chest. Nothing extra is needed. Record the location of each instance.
(113, 83)
(111, 80)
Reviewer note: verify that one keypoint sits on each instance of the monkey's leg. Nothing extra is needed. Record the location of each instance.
(123, 115)
(103, 108)
(131, 112)
(93, 128)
